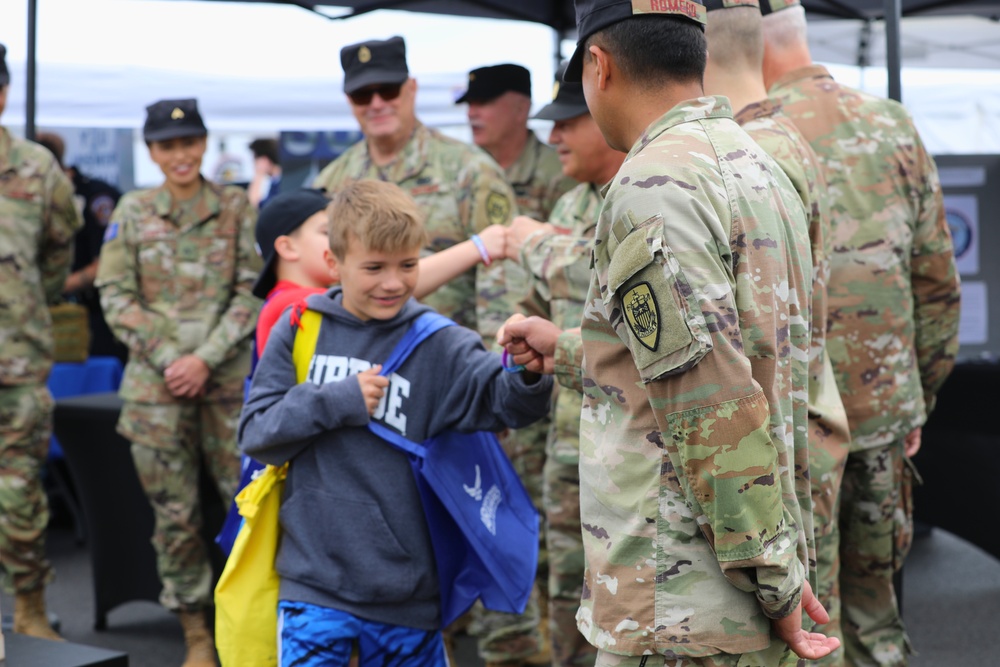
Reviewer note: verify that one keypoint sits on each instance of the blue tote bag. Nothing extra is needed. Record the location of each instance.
(483, 525)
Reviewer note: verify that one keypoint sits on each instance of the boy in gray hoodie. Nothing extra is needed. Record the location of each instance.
(355, 559)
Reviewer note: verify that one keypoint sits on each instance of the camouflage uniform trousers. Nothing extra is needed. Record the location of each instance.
(565, 550)
(826, 472)
(515, 637)
(776, 655)
(876, 527)
(168, 444)
(25, 428)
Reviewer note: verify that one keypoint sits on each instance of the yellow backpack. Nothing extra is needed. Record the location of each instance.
(246, 597)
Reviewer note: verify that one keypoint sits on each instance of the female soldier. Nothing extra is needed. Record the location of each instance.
(176, 273)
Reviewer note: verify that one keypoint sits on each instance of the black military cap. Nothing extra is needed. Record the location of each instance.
(595, 15)
(712, 5)
(373, 62)
(173, 119)
(282, 215)
(4, 72)
(768, 6)
(488, 83)
(567, 100)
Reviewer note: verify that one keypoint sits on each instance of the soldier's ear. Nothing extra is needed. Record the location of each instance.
(602, 65)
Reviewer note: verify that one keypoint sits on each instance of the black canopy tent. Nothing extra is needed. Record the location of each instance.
(560, 16)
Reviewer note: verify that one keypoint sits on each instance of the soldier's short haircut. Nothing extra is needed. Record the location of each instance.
(655, 49)
(379, 215)
(54, 143)
(786, 28)
(735, 39)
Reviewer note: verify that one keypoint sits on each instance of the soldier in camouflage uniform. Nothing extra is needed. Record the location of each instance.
(695, 340)
(38, 220)
(893, 301)
(176, 275)
(736, 52)
(499, 101)
(459, 189)
(557, 257)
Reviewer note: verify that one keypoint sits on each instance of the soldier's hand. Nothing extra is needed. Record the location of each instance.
(521, 228)
(373, 387)
(494, 238)
(186, 377)
(807, 645)
(530, 342)
(912, 442)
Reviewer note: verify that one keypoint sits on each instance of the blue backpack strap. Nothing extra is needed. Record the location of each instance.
(419, 331)
(422, 327)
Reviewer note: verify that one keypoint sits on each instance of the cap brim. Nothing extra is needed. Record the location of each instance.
(374, 76)
(174, 133)
(266, 280)
(574, 68)
(561, 111)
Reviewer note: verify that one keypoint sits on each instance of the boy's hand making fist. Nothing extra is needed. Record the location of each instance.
(372, 387)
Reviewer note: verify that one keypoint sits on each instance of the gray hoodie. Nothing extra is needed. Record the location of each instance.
(353, 531)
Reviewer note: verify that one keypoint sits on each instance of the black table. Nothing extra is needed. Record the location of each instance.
(24, 651)
(117, 513)
(960, 457)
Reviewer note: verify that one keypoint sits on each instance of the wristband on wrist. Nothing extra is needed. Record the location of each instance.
(481, 247)
(505, 362)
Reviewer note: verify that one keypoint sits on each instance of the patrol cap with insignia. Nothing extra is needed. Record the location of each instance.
(489, 83)
(373, 62)
(4, 72)
(173, 119)
(595, 15)
(712, 5)
(281, 216)
(769, 6)
(567, 100)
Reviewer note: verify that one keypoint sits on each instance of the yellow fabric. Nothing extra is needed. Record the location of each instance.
(246, 597)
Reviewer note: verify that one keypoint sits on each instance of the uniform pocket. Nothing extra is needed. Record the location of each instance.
(346, 547)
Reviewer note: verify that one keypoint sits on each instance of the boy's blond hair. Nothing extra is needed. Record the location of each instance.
(379, 215)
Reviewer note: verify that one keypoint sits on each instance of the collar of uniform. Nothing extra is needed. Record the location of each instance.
(6, 141)
(523, 169)
(411, 159)
(761, 109)
(709, 106)
(808, 72)
(207, 206)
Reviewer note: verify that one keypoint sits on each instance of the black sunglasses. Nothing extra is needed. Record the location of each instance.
(387, 91)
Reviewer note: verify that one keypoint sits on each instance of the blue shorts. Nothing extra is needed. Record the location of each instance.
(314, 636)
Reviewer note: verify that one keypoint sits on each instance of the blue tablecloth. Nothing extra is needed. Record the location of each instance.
(94, 376)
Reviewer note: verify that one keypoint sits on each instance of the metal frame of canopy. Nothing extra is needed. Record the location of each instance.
(559, 15)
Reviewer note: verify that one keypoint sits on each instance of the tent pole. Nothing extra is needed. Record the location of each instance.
(29, 111)
(893, 52)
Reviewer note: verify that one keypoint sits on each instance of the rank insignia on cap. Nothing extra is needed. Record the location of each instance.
(555, 91)
(643, 315)
(472, 76)
(177, 114)
(688, 8)
(364, 54)
(497, 208)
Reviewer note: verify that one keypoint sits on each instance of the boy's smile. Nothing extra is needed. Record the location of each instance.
(376, 285)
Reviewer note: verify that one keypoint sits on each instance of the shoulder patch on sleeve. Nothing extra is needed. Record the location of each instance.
(643, 314)
(497, 208)
(111, 232)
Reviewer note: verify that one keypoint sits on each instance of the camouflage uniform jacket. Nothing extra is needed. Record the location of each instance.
(559, 264)
(537, 179)
(38, 220)
(696, 366)
(177, 280)
(776, 134)
(460, 190)
(893, 294)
